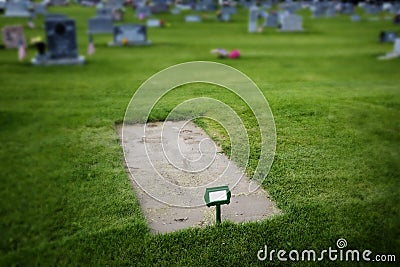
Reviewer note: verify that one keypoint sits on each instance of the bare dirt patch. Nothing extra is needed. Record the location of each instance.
(166, 160)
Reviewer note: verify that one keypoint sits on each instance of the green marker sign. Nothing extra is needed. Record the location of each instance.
(217, 196)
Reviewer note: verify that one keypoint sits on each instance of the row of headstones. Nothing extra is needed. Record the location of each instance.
(61, 40)
(284, 20)
(330, 8)
(123, 34)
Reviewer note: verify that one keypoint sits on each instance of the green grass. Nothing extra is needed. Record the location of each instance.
(65, 196)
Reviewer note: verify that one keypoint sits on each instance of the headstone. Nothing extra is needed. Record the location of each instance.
(272, 20)
(183, 6)
(347, 8)
(59, 2)
(387, 37)
(17, 9)
(330, 11)
(395, 8)
(248, 3)
(40, 9)
(130, 34)
(355, 18)
(192, 18)
(61, 38)
(292, 23)
(55, 16)
(61, 43)
(100, 25)
(115, 4)
(153, 23)
(253, 19)
(159, 7)
(12, 35)
(175, 11)
(230, 9)
(225, 14)
(291, 7)
(2, 6)
(396, 19)
(117, 14)
(104, 12)
(372, 9)
(89, 2)
(143, 12)
(318, 10)
(395, 53)
(397, 46)
(206, 5)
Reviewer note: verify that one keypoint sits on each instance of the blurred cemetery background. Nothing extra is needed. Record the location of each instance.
(58, 28)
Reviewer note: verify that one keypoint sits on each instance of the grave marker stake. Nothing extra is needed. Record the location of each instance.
(217, 196)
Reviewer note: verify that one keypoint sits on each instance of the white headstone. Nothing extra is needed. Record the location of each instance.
(100, 25)
(192, 18)
(130, 34)
(153, 23)
(253, 18)
(395, 53)
(17, 9)
(397, 46)
(292, 23)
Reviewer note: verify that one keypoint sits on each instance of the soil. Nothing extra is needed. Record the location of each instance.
(172, 163)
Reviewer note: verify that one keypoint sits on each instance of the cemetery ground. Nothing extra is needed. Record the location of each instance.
(66, 198)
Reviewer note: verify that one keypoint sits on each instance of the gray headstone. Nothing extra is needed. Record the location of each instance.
(159, 7)
(153, 23)
(291, 7)
(100, 25)
(176, 11)
(271, 20)
(347, 8)
(115, 4)
(395, 8)
(318, 10)
(206, 5)
(55, 16)
(143, 11)
(12, 35)
(40, 9)
(330, 11)
(226, 13)
(355, 18)
(192, 18)
(132, 34)
(397, 46)
(292, 23)
(59, 2)
(104, 12)
(61, 38)
(396, 19)
(372, 9)
(17, 9)
(229, 9)
(387, 37)
(253, 19)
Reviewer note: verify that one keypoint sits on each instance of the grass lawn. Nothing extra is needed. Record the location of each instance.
(65, 196)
